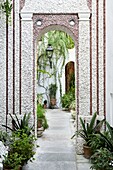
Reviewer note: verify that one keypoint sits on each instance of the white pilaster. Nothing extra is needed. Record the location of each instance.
(84, 64)
(17, 57)
(84, 72)
(27, 63)
(101, 59)
(94, 48)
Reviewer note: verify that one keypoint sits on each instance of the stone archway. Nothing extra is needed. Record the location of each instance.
(79, 31)
(60, 21)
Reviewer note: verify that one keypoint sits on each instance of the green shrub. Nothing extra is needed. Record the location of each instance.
(102, 145)
(23, 145)
(52, 90)
(102, 159)
(20, 150)
(96, 142)
(40, 111)
(41, 115)
(73, 105)
(68, 98)
(109, 138)
(12, 161)
(4, 137)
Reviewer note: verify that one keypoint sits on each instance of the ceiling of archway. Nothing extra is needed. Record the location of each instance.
(51, 6)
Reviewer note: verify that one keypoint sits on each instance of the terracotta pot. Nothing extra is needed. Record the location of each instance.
(87, 151)
(39, 123)
(40, 132)
(53, 102)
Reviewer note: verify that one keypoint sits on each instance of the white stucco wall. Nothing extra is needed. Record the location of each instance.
(2, 71)
(109, 57)
(61, 6)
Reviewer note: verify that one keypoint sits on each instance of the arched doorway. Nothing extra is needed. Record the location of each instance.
(63, 52)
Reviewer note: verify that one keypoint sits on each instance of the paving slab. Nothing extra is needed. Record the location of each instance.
(83, 163)
(52, 166)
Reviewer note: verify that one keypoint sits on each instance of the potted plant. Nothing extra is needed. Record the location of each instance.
(102, 144)
(87, 131)
(21, 144)
(41, 120)
(52, 94)
(67, 99)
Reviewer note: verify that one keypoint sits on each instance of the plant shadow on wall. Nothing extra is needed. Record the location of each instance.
(46, 75)
(20, 142)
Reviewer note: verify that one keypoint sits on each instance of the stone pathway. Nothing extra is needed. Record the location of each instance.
(56, 151)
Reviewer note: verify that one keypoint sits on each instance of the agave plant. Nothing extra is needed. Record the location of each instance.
(89, 129)
(20, 125)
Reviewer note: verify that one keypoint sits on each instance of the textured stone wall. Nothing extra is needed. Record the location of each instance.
(97, 57)
(17, 57)
(3, 68)
(94, 47)
(109, 61)
(61, 6)
(2, 71)
(101, 59)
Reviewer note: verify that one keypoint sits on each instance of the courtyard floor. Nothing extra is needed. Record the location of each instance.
(57, 150)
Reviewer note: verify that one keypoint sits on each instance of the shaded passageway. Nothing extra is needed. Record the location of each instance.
(56, 151)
